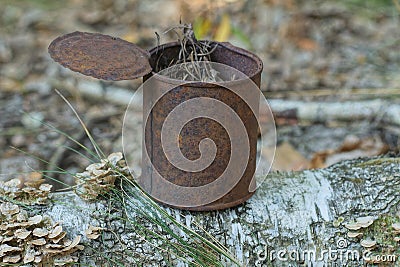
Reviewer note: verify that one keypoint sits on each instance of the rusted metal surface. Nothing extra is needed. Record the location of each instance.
(198, 129)
(109, 58)
(100, 56)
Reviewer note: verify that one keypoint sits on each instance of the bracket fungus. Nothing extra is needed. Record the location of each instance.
(361, 222)
(33, 239)
(99, 178)
(32, 191)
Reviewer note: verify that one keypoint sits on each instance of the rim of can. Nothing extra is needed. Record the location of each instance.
(226, 45)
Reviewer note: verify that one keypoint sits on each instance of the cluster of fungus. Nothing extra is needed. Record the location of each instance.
(28, 190)
(33, 240)
(93, 232)
(99, 178)
(361, 222)
(357, 229)
(396, 230)
(37, 241)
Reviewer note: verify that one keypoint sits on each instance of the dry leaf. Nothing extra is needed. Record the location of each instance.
(223, 30)
(34, 179)
(307, 44)
(352, 147)
(287, 158)
(201, 27)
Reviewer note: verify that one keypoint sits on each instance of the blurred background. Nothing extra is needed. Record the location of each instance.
(313, 52)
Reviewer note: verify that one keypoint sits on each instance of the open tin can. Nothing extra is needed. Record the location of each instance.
(157, 168)
(110, 58)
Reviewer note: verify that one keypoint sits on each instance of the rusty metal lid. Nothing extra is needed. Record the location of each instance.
(100, 56)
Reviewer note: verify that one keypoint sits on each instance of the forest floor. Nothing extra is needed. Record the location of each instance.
(312, 51)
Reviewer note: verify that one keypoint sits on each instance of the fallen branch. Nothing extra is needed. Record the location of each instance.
(378, 110)
(301, 211)
(356, 94)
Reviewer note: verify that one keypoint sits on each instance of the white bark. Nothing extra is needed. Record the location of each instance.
(377, 110)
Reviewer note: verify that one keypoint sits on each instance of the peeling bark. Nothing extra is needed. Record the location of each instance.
(296, 211)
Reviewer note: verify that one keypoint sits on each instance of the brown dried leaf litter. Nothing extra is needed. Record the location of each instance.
(33, 240)
(28, 190)
(99, 178)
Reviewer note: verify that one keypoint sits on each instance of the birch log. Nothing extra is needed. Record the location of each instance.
(378, 110)
(296, 212)
(387, 112)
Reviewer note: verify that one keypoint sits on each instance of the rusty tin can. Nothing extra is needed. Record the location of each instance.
(110, 58)
(174, 93)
